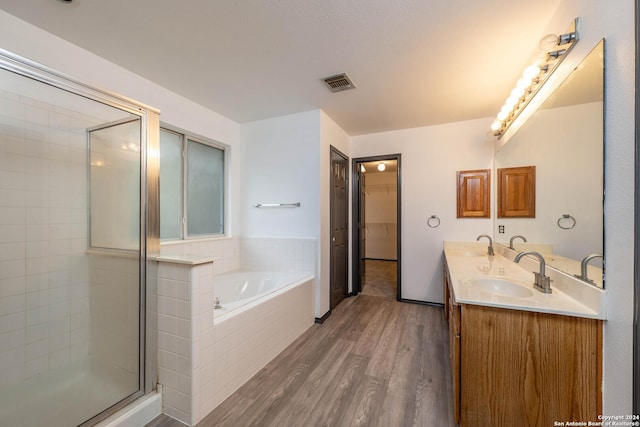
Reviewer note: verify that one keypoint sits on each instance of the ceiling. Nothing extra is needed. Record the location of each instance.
(372, 167)
(413, 62)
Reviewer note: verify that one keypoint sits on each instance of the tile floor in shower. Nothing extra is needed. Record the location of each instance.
(65, 397)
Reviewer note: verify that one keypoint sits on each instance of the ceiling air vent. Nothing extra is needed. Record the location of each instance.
(338, 83)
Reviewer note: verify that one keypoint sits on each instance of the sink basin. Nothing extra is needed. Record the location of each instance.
(502, 287)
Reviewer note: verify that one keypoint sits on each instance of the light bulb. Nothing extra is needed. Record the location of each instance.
(503, 114)
(531, 72)
(524, 84)
(518, 92)
(381, 167)
(497, 124)
(548, 42)
(512, 101)
(362, 169)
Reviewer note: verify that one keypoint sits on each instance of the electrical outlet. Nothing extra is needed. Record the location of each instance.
(501, 229)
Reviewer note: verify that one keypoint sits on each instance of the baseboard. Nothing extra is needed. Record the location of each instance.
(320, 320)
(413, 301)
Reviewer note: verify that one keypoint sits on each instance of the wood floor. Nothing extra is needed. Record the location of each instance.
(374, 362)
(380, 278)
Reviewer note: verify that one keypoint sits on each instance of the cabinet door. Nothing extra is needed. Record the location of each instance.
(529, 369)
(473, 193)
(517, 192)
(454, 357)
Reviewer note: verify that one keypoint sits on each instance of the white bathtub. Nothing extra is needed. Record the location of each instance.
(243, 289)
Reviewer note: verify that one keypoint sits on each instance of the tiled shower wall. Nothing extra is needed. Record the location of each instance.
(44, 280)
(251, 253)
(227, 249)
(114, 304)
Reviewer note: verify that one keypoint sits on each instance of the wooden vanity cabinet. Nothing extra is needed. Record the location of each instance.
(452, 315)
(513, 367)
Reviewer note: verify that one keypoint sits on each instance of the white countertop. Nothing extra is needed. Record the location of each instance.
(570, 296)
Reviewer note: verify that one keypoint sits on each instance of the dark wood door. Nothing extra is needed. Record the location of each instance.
(339, 228)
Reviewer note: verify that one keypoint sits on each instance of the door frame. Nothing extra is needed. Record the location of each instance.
(356, 229)
(334, 150)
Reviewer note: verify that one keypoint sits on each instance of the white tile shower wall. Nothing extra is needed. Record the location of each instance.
(114, 307)
(278, 254)
(227, 250)
(44, 292)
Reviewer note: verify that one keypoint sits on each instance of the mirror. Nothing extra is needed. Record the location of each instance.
(563, 139)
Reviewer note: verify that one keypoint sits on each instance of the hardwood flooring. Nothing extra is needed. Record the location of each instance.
(380, 278)
(374, 362)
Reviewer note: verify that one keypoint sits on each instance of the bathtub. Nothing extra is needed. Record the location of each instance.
(240, 290)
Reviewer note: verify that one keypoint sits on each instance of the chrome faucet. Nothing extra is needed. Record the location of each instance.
(490, 248)
(517, 236)
(541, 282)
(583, 268)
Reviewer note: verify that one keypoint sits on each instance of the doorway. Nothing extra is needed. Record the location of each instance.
(376, 226)
(339, 223)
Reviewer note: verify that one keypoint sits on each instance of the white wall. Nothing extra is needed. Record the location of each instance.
(430, 158)
(286, 159)
(280, 165)
(33, 43)
(381, 215)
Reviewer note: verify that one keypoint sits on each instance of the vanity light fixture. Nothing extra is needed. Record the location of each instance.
(381, 166)
(554, 48)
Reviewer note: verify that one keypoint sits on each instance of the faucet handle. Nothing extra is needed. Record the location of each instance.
(542, 283)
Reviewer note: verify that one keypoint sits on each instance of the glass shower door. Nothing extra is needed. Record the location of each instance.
(70, 255)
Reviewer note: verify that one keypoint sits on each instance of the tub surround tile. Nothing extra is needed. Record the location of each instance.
(216, 358)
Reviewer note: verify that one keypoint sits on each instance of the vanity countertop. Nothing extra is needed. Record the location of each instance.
(570, 296)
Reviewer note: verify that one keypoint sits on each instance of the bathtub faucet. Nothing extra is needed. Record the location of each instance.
(216, 303)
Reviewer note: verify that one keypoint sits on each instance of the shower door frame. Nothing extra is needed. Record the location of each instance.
(149, 201)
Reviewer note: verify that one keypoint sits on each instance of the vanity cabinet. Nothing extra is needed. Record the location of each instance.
(515, 367)
(452, 315)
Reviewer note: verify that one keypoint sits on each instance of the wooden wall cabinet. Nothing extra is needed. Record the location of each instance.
(517, 192)
(514, 367)
(473, 194)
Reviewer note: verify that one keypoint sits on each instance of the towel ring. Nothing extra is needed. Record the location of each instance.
(567, 217)
(433, 221)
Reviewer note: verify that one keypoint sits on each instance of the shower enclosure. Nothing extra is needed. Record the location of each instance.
(74, 234)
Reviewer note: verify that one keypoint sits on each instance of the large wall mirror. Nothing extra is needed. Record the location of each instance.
(563, 139)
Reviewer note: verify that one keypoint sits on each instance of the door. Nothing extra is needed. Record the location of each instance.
(339, 228)
(362, 221)
(376, 229)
